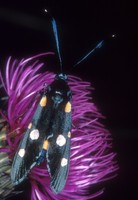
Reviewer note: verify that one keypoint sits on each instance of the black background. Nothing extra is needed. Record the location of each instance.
(25, 30)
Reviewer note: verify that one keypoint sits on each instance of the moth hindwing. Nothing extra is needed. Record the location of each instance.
(47, 136)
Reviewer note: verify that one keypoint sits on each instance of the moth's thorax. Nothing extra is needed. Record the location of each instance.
(57, 97)
(59, 91)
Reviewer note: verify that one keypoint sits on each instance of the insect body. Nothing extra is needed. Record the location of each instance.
(47, 136)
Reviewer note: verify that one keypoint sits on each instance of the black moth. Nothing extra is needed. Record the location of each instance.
(48, 136)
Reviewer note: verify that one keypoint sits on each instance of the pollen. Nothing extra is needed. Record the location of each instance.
(21, 153)
(43, 101)
(68, 107)
(45, 145)
(64, 162)
(34, 134)
(61, 140)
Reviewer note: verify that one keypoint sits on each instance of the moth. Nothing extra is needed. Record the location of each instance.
(47, 136)
(49, 132)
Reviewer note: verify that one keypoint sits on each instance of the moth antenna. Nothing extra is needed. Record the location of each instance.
(55, 31)
(91, 52)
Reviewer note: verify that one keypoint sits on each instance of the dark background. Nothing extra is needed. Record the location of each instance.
(25, 30)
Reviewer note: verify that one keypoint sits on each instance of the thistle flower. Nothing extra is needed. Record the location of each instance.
(91, 161)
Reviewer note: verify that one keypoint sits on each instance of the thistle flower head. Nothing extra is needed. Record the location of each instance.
(91, 161)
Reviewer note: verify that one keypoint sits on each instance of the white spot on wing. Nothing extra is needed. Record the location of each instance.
(34, 134)
(64, 162)
(69, 134)
(61, 140)
(30, 126)
(21, 153)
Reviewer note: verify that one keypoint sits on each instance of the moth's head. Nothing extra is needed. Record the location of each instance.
(59, 89)
(61, 76)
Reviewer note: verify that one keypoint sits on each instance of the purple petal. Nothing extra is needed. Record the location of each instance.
(92, 160)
